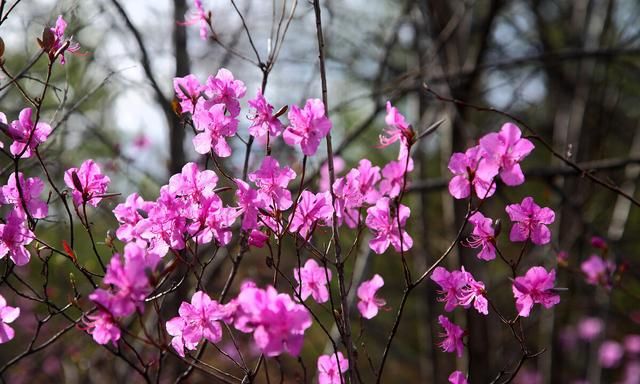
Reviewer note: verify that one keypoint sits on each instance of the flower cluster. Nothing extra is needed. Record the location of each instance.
(130, 279)
(496, 154)
(459, 288)
(277, 322)
(187, 208)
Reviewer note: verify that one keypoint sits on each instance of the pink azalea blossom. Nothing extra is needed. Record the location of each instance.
(128, 215)
(87, 183)
(188, 90)
(473, 292)
(263, 121)
(348, 198)
(272, 182)
(451, 284)
(249, 204)
(330, 370)
(471, 169)
(597, 271)
(26, 137)
(483, 236)
(31, 189)
(308, 126)
(394, 177)
(199, 16)
(385, 227)
(368, 303)
(166, 222)
(530, 221)
(457, 377)
(312, 209)
(535, 287)
(198, 320)
(368, 178)
(312, 281)
(214, 126)
(14, 236)
(398, 128)
(193, 183)
(459, 288)
(507, 149)
(129, 279)
(610, 353)
(278, 323)
(257, 238)
(224, 89)
(60, 41)
(103, 327)
(7, 316)
(452, 335)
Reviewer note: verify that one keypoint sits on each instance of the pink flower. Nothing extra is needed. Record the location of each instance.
(249, 204)
(590, 328)
(453, 334)
(398, 128)
(598, 271)
(263, 121)
(312, 281)
(7, 316)
(128, 215)
(272, 182)
(535, 287)
(451, 283)
(193, 183)
(483, 236)
(225, 89)
(460, 288)
(199, 16)
(473, 292)
(60, 40)
(198, 320)
(507, 149)
(471, 169)
(129, 279)
(87, 183)
(31, 189)
(214, 127)
(610, 353)
(311, 210)
(368, 303)
(14, 236)
(457, 377)
(257, 238)
(308, 126)
(368, 178)
(188, 90)
(394, 177)
(385, 227)
(530, 222)
(103, 327)
(348, 198)
(330, 370)
(277, 322)
(26, 137)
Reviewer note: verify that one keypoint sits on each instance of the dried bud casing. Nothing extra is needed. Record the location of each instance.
(497, 227)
